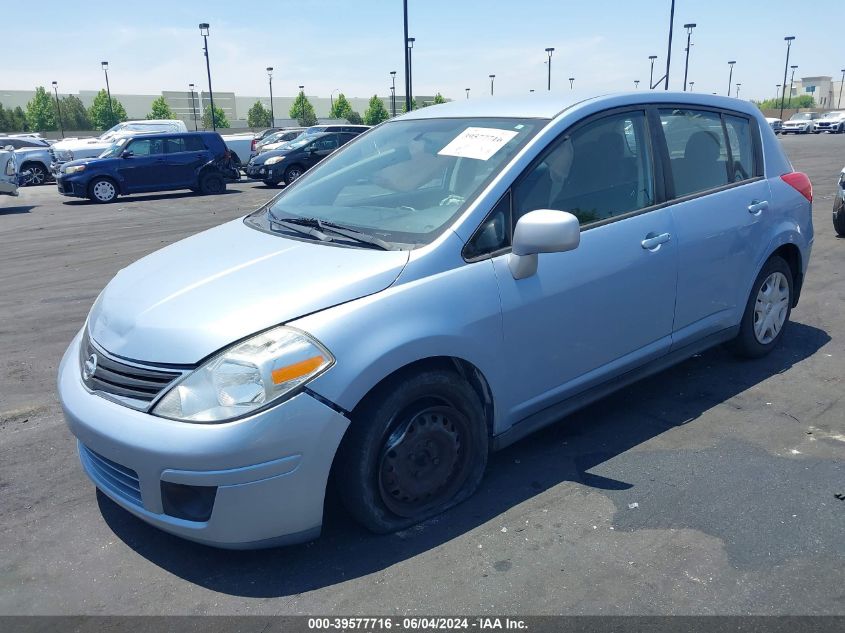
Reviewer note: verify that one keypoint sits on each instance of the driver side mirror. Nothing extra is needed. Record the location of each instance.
(541, 231)
(127, 153)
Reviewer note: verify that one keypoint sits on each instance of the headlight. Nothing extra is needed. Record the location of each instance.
(74, 168)
(273, 160)
(246, 377)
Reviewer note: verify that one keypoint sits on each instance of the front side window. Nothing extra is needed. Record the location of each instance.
(698, 154)
(598, 171)
(403, 182)
(146, 146)
(326, 143)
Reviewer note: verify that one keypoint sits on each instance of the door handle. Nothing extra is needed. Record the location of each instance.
(757, 206)
(651, 242)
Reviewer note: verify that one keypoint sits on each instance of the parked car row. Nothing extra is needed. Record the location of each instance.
(33, 155)
(811, 123)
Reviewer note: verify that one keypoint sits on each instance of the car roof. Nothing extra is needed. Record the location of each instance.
(550, 105)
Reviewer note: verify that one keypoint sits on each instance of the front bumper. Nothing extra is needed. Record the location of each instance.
(71, 187)
(269, 470)
(262, 172)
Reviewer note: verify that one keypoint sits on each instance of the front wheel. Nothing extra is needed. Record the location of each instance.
(413, 449)
(292, 173)
(102, 190)
(839, 218)
(37, 173)
(767, 310)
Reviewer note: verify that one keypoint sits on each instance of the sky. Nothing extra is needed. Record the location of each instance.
(350, 46)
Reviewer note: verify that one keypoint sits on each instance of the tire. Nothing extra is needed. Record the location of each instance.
(39, 176)
(293, 173)
(271, 183)
(839, 217)
(102, 190)
(431, 423)
(211, 184)
(767, 311)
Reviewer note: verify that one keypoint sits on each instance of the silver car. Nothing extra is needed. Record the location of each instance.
(443, 285)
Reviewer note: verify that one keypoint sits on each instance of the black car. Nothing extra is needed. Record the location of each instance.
(289, 163)
(199, 161)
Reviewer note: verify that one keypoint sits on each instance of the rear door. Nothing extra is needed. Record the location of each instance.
(145, 169)
(185, 155)
(721, 202)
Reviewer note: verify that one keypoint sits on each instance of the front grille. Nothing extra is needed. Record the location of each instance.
(112, 476)
(133, 385)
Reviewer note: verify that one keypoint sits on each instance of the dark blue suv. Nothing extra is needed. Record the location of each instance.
(198, 161)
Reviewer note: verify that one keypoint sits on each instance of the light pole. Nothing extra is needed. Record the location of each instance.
(467, 89)
(492, 77)
(59, 107)
(272, 112)
(689, 27)
(777, 92)
(411, 41)
(193, 107)
(737, 90)
(691, 84)
(651, 72)
(549, 51)
(788, 39)
(669, 47)
(393, 91)
(204, 33)
(840, 88)
(331, 98)
(791, 82)
(571, 80)
(636, 84)
(105, 66)
(407, 54)
(730, 76)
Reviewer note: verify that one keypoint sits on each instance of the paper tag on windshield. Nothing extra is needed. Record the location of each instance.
(477, 142)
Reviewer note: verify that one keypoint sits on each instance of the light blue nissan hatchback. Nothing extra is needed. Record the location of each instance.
(443, 285)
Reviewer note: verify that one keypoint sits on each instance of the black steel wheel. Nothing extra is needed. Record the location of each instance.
(414, 448)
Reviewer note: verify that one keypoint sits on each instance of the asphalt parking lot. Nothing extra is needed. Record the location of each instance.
(707, 489)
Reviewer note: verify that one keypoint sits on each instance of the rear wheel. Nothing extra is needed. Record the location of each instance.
(767, 310)
(212, 184)
(414, 449)
(839, 218)
(102, 190)
(38, 173)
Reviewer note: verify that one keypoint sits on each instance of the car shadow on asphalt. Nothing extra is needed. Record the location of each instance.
(176, 195)
(24, 208)
(594, 435)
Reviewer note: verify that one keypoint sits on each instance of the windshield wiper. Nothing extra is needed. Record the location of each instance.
(299, 227)
(320, 227)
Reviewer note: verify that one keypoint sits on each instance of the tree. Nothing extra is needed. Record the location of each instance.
(376, 112)
(41, 111)
(259, 116)
(101, 116)
(800, 101)
(413, 105)
(354, 118)
(18, 120)
(219, 118)
(438, 98)
(74, 114)
(303, 111)
(341, 108)
(161, 110)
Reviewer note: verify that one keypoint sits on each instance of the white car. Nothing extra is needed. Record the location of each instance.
(8, 172)
(833, 122)
(241, 146)
(775, 123)
(75, 148)
(801, 123)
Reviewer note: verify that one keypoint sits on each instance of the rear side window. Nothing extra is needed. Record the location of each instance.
(698, 153)
(742, 147)
(174, 145)
(193, 144)
(600, 170)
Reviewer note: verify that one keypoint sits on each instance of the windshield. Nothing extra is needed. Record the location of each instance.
(302, 142)
(800, 116)
(834, 115)
(115, 149)
(404, 182)
(123, 128)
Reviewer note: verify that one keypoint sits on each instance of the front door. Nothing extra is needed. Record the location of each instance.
(607, 306)
(144, 169)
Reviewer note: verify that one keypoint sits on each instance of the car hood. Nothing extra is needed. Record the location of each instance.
(96, 162)
(797, 122)
(190, 299)
(261, 158)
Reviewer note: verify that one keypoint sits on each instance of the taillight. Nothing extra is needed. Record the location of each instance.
(800, 182)
(252, 147)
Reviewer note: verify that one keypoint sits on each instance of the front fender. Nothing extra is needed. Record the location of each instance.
(455, 313)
